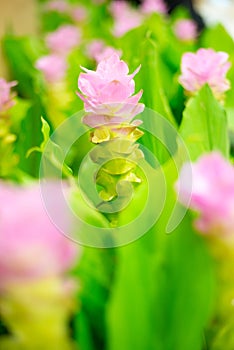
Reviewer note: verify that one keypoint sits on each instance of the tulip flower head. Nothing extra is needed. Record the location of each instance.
(110, 107)
(185, 29)
(212, 193)
(63, 40)
(206, 66)
(6, 96)
(53, 67)
(108, 93)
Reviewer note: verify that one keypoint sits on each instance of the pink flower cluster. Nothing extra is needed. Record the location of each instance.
(107, 93)
(98, 51)
(31, 246)
(76, 12)
(6, 97)
(60, 6)
(185, 29)
(211, 195)
(206, 66)
(153, 6)
(60, 43)
(125, 17)
(63, 40)
(52, 66)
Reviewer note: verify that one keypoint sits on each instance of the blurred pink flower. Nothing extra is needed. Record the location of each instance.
(185, 29)
(106, 53)
(78, 13)
(53, 67)
(125, 17)
(6, 97)
(211, 193)
(107, 93)
(64, 39)
(205, 67)
(60, 6)
(94, 48)
(98, 51)
(153, 6)
(31, 246)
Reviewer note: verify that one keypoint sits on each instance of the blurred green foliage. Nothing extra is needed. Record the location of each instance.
(157, 293)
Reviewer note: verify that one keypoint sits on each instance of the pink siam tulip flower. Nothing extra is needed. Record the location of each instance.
(64, 39)
(31, 246)
(98, 51)
(107, 93)
(53, 67)
(125, 18)
(185, 29)
(78, 13)
(211, 195)
(153, 6)
(60, 6)
(6, 97)
(205, 67)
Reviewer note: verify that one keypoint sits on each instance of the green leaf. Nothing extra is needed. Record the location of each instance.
(51, 151)
(85, 212)
(149, 76)
(204, 125)
(164, 287)
(82, 332)
(217, 38)
(95, 272)
(19, 111)
(45, 129)
(21, 54)
(150, 80)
